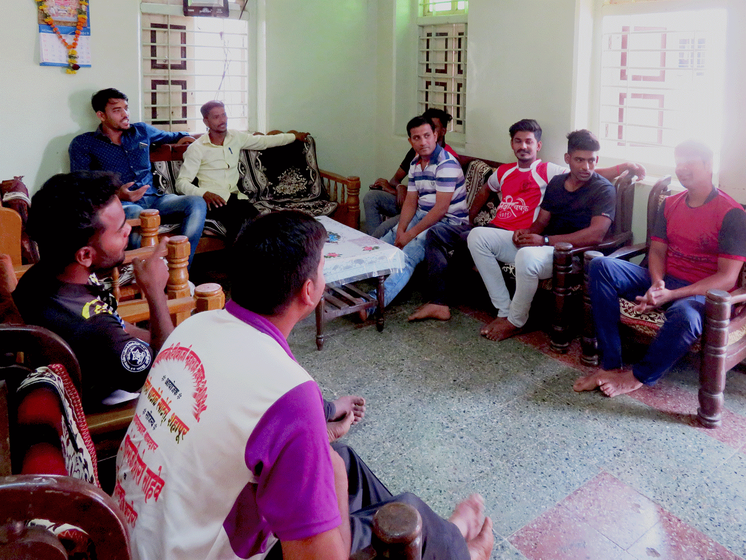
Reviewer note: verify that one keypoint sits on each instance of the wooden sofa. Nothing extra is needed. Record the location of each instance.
(344, 191)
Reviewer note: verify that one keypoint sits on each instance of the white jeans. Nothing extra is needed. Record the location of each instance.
(489, 245)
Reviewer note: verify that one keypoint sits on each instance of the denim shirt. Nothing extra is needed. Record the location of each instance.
(93, 151)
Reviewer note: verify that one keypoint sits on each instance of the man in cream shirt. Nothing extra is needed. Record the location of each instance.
(213, 161)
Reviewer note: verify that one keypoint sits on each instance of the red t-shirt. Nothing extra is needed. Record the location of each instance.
(521, 192)
(697, 237)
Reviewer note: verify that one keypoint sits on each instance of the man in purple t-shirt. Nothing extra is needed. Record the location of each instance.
(228, 454)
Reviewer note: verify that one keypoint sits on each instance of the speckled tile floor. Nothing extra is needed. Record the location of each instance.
(563, 475)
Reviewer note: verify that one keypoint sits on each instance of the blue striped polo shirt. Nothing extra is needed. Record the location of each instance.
(441, 174)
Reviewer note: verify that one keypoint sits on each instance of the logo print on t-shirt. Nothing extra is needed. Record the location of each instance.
(135, 356)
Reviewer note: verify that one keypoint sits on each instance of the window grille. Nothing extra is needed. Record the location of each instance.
(442, 7)
(661, 82)
(442, 71)
(187, 61)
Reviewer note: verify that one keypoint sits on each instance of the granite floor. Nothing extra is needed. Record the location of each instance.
(563, 475)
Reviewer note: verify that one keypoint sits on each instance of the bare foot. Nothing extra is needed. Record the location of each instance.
(350, 403)
(480, 547)
(500, 329)
(431, 311)
(339, 428)
(619, 384)
(468, 516)
(8, 280)
(611, 383)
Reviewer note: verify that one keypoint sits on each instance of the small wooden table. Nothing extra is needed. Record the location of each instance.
(350, 256)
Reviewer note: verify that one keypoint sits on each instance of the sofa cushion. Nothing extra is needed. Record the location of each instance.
(477, 174)
(283, 174)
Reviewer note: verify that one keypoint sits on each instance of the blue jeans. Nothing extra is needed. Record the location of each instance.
(190, 211)
(414, 251)
(442, 239)
(376, 203)
(611, 279)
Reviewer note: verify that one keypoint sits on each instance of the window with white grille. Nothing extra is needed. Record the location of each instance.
(187, 61)
(442, 70)
(442, 7)
(662, 82)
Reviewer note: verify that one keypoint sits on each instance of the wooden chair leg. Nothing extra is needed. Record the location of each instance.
(562, 268)
(380, 310)
(589, 344)
(713, 368)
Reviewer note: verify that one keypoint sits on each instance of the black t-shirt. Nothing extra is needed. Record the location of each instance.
(407, 161)
(573, 211)
(85, 316)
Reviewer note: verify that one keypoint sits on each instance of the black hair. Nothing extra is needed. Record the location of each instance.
(526, 125)
(419, 121)
(63, 216)
(440, 114)
(209, 106)
(272, 258)
(696, 149)
(100, 99)
(582, 140)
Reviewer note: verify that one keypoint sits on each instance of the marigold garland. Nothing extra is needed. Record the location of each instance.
(72, 53)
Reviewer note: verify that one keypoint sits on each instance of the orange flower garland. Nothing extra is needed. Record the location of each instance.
(72, 54)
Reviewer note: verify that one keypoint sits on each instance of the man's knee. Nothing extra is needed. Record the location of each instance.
(533, 261)
(478, 239)
(687, 316)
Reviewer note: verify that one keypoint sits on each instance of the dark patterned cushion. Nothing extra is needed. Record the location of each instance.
(477, 174)
(283, 174)
(313, 207)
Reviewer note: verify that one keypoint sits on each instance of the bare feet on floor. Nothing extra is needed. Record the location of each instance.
(338, 428)
(469, 517)
(500, 329)
(612, 383)
(350, 403)
(431, 311)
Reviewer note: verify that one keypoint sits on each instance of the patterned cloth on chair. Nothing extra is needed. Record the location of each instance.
(76, 445)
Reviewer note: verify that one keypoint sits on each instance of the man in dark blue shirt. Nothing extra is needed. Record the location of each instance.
(124, 148)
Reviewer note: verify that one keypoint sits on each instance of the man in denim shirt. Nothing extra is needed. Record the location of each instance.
(124, 148)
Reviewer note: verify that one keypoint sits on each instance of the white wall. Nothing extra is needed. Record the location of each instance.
(42, 107)
(321, 78)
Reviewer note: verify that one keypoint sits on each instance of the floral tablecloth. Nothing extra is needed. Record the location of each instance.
(350, 255)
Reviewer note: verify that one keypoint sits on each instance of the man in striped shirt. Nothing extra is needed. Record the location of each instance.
(435, 193)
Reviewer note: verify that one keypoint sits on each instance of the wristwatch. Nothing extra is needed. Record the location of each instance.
(546, 240)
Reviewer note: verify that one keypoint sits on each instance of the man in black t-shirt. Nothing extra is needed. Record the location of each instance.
(385, 198)
(80, 227)
(578, 208)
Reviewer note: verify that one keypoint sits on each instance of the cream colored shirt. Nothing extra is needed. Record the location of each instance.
(216, 167)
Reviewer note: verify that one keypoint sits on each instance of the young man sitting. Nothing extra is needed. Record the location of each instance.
(228, 455)
(698, 244)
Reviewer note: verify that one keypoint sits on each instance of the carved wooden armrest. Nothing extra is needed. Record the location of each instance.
(626, 253)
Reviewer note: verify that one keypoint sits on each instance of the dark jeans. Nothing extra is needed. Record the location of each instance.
(442, 240)
(441, 539)
(233, 216)
(611, 279)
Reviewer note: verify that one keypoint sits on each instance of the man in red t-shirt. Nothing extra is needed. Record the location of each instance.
(698, 244)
